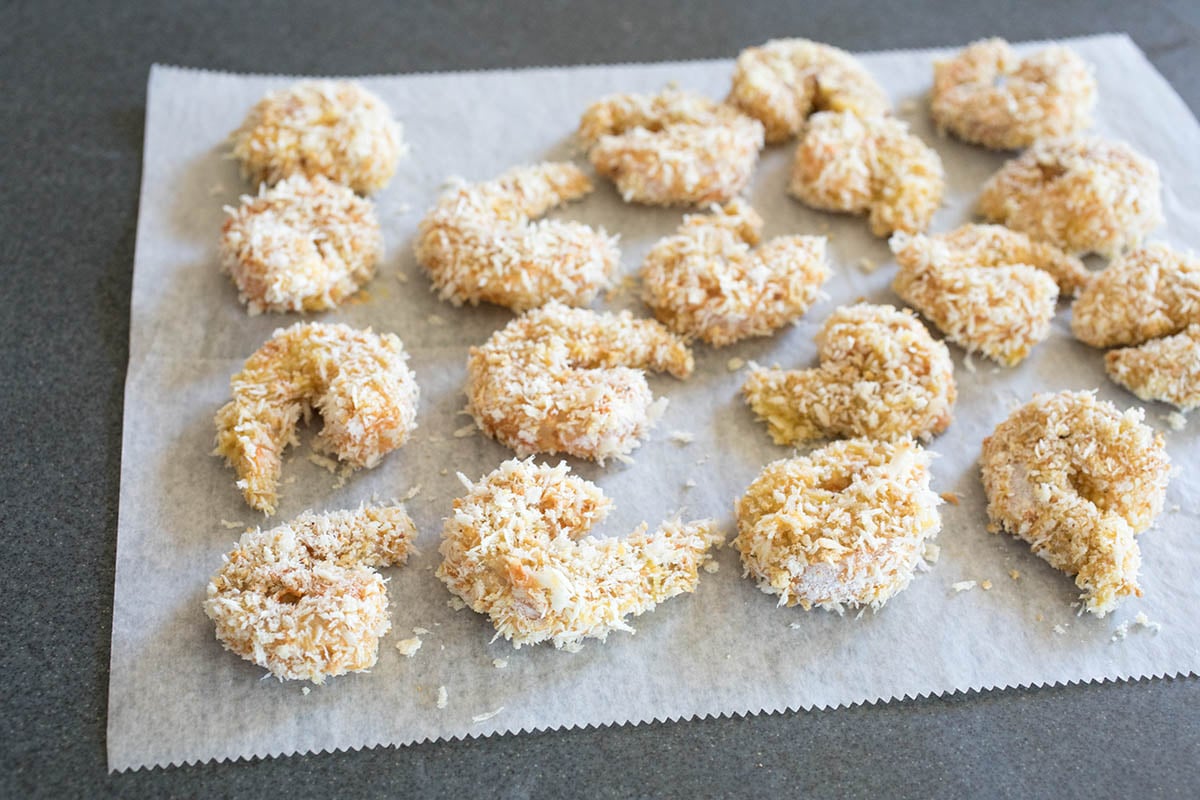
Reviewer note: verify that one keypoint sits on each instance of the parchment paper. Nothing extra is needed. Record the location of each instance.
(176, 696)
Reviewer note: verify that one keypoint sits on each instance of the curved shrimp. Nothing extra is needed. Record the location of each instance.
(872, 166)
(845, 525)
(357, 381)
(705, 281)
(671, 148)
(1078, 479)
(302, 600)
(1166, 369)
(987, 95)
(563, 380)
(333, 128)
(479, 245)
(881, 376)
(305, 244)
(1082, 194)
(981, 286)
(1149, 292)
(784, 81)
(516, 548)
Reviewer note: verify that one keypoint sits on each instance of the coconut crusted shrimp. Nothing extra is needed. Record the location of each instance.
(357, 381)
(333, 128)
(785, 80)
(845, 525)
(1166, 369)
(564, 380)
(882, 376)
(303, 245)
(705, 281)
(1083, 194)
(1078, 480)
(988, 95)
(302, 600)
(671, 148)
(989, 289)
(516, 548)
(1149, 292)
(479, 245)
(870, 166)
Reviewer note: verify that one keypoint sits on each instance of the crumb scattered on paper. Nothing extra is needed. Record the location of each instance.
(402, 276)
(421, 631)
(411, 493)
(950, 497)
(985, 585)
(867, 265)
(689, 484)
(735, 363)
(932, 552)
(499, 663)
(485, 716)
(434, 319)
(1060, 629)
(465, 431)
(963, 586)
(409, 647)
(968, 362)
(682, 437)
(231, 524)
(795, 626)
(711, 566)
(305, 690)
(456, 603)
(324, 462)
(1014, 574)
(1175, 420)
(443, 698)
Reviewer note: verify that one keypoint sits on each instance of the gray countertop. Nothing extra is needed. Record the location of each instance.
(74, 78)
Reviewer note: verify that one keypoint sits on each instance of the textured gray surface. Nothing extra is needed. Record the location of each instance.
(73, 77)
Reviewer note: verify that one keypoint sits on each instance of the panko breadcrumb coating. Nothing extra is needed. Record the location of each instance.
(846, 525)
(671, 148)
(882, 376)
(357, 381)
(973, 294)
(988, 95)
(302, 600)
(1149, 292)
(333, 128)
(707, 282)
(479, 245)
(1083, 194)
(1078, 480)
(570, 380)
(1166, 369)
(516, 548)
(303, 245)
(870, 166)
(785, 80)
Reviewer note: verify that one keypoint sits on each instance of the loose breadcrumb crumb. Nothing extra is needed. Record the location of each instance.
(230, 524)
(682, 437)
(1175, 420)
(711, 566)
(963, 586)
(465, 431)
(950, 497)
(1014, 574)
(735, 363)
(985, 585)
(484, 717)
(443, 697)
(499, 663)
(409, 647)
(1060, 629)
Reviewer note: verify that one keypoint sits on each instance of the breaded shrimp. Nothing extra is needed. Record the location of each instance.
(302, 600)
(303, 245)
(1149, 292)
(785, 80)
(357, 381)
(1083, 194)
(671, 148)
(479, 245)
(988, 95)
(882, 376)
(706, 281)
(563, 380)
(870, 166)
(845, 525)
(1078, 480)
(1166, 369)
(516, 548)
(333, 128)
(974, 294)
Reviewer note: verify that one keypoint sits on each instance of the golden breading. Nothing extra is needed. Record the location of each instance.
(1166, 369)
(845, 525)
(870, 166)
(333, 128)
(707, 282)
(1083, 194)
(785, 80)
(570, 380)
(516, 548)
(671, 148)
(479, 245)
(988, 95)
(302, 600)
(1149, 292)
(1078, 480)
(972, 294)
(357, 381)
(882, 376)
(302, 245)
